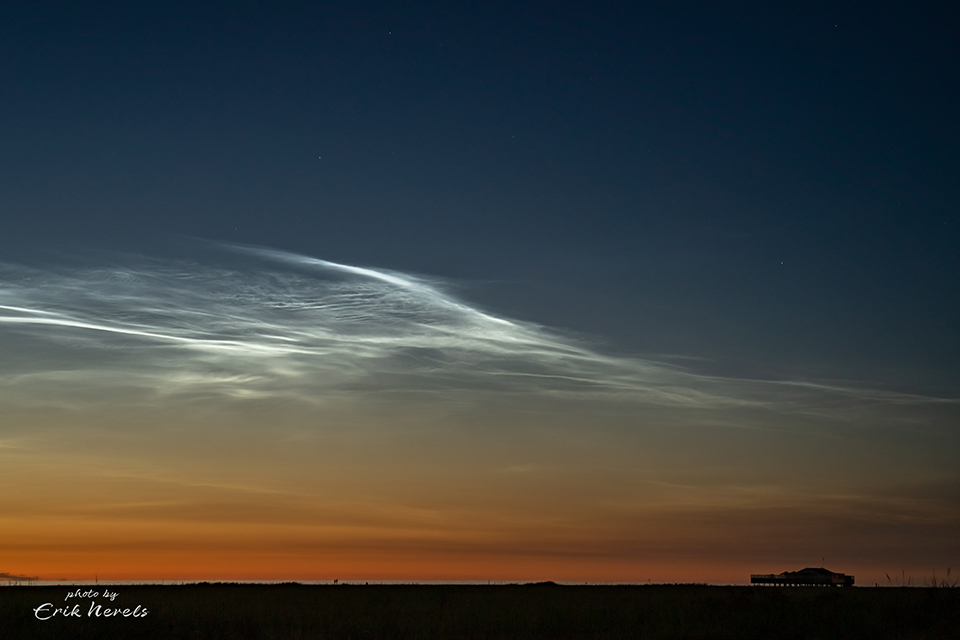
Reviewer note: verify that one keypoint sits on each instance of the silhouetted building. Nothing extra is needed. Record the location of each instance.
(804, 578)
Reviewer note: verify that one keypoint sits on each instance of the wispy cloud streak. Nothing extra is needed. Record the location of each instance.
(262, 323)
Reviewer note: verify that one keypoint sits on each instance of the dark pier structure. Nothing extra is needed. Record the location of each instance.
(809, 577)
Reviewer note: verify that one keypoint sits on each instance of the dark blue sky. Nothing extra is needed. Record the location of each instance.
(773, 188)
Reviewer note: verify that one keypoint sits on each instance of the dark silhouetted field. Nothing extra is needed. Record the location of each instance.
(344, 612)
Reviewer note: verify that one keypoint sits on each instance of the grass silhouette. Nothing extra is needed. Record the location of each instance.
(373, 612)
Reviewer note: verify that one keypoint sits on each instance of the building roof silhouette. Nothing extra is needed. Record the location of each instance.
(811, 576)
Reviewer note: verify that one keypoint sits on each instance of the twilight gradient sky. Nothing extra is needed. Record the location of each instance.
(463, 291)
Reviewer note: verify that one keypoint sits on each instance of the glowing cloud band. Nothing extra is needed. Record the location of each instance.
(276, 324)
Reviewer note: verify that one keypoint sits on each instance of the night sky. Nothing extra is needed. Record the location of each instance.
(587, 291)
